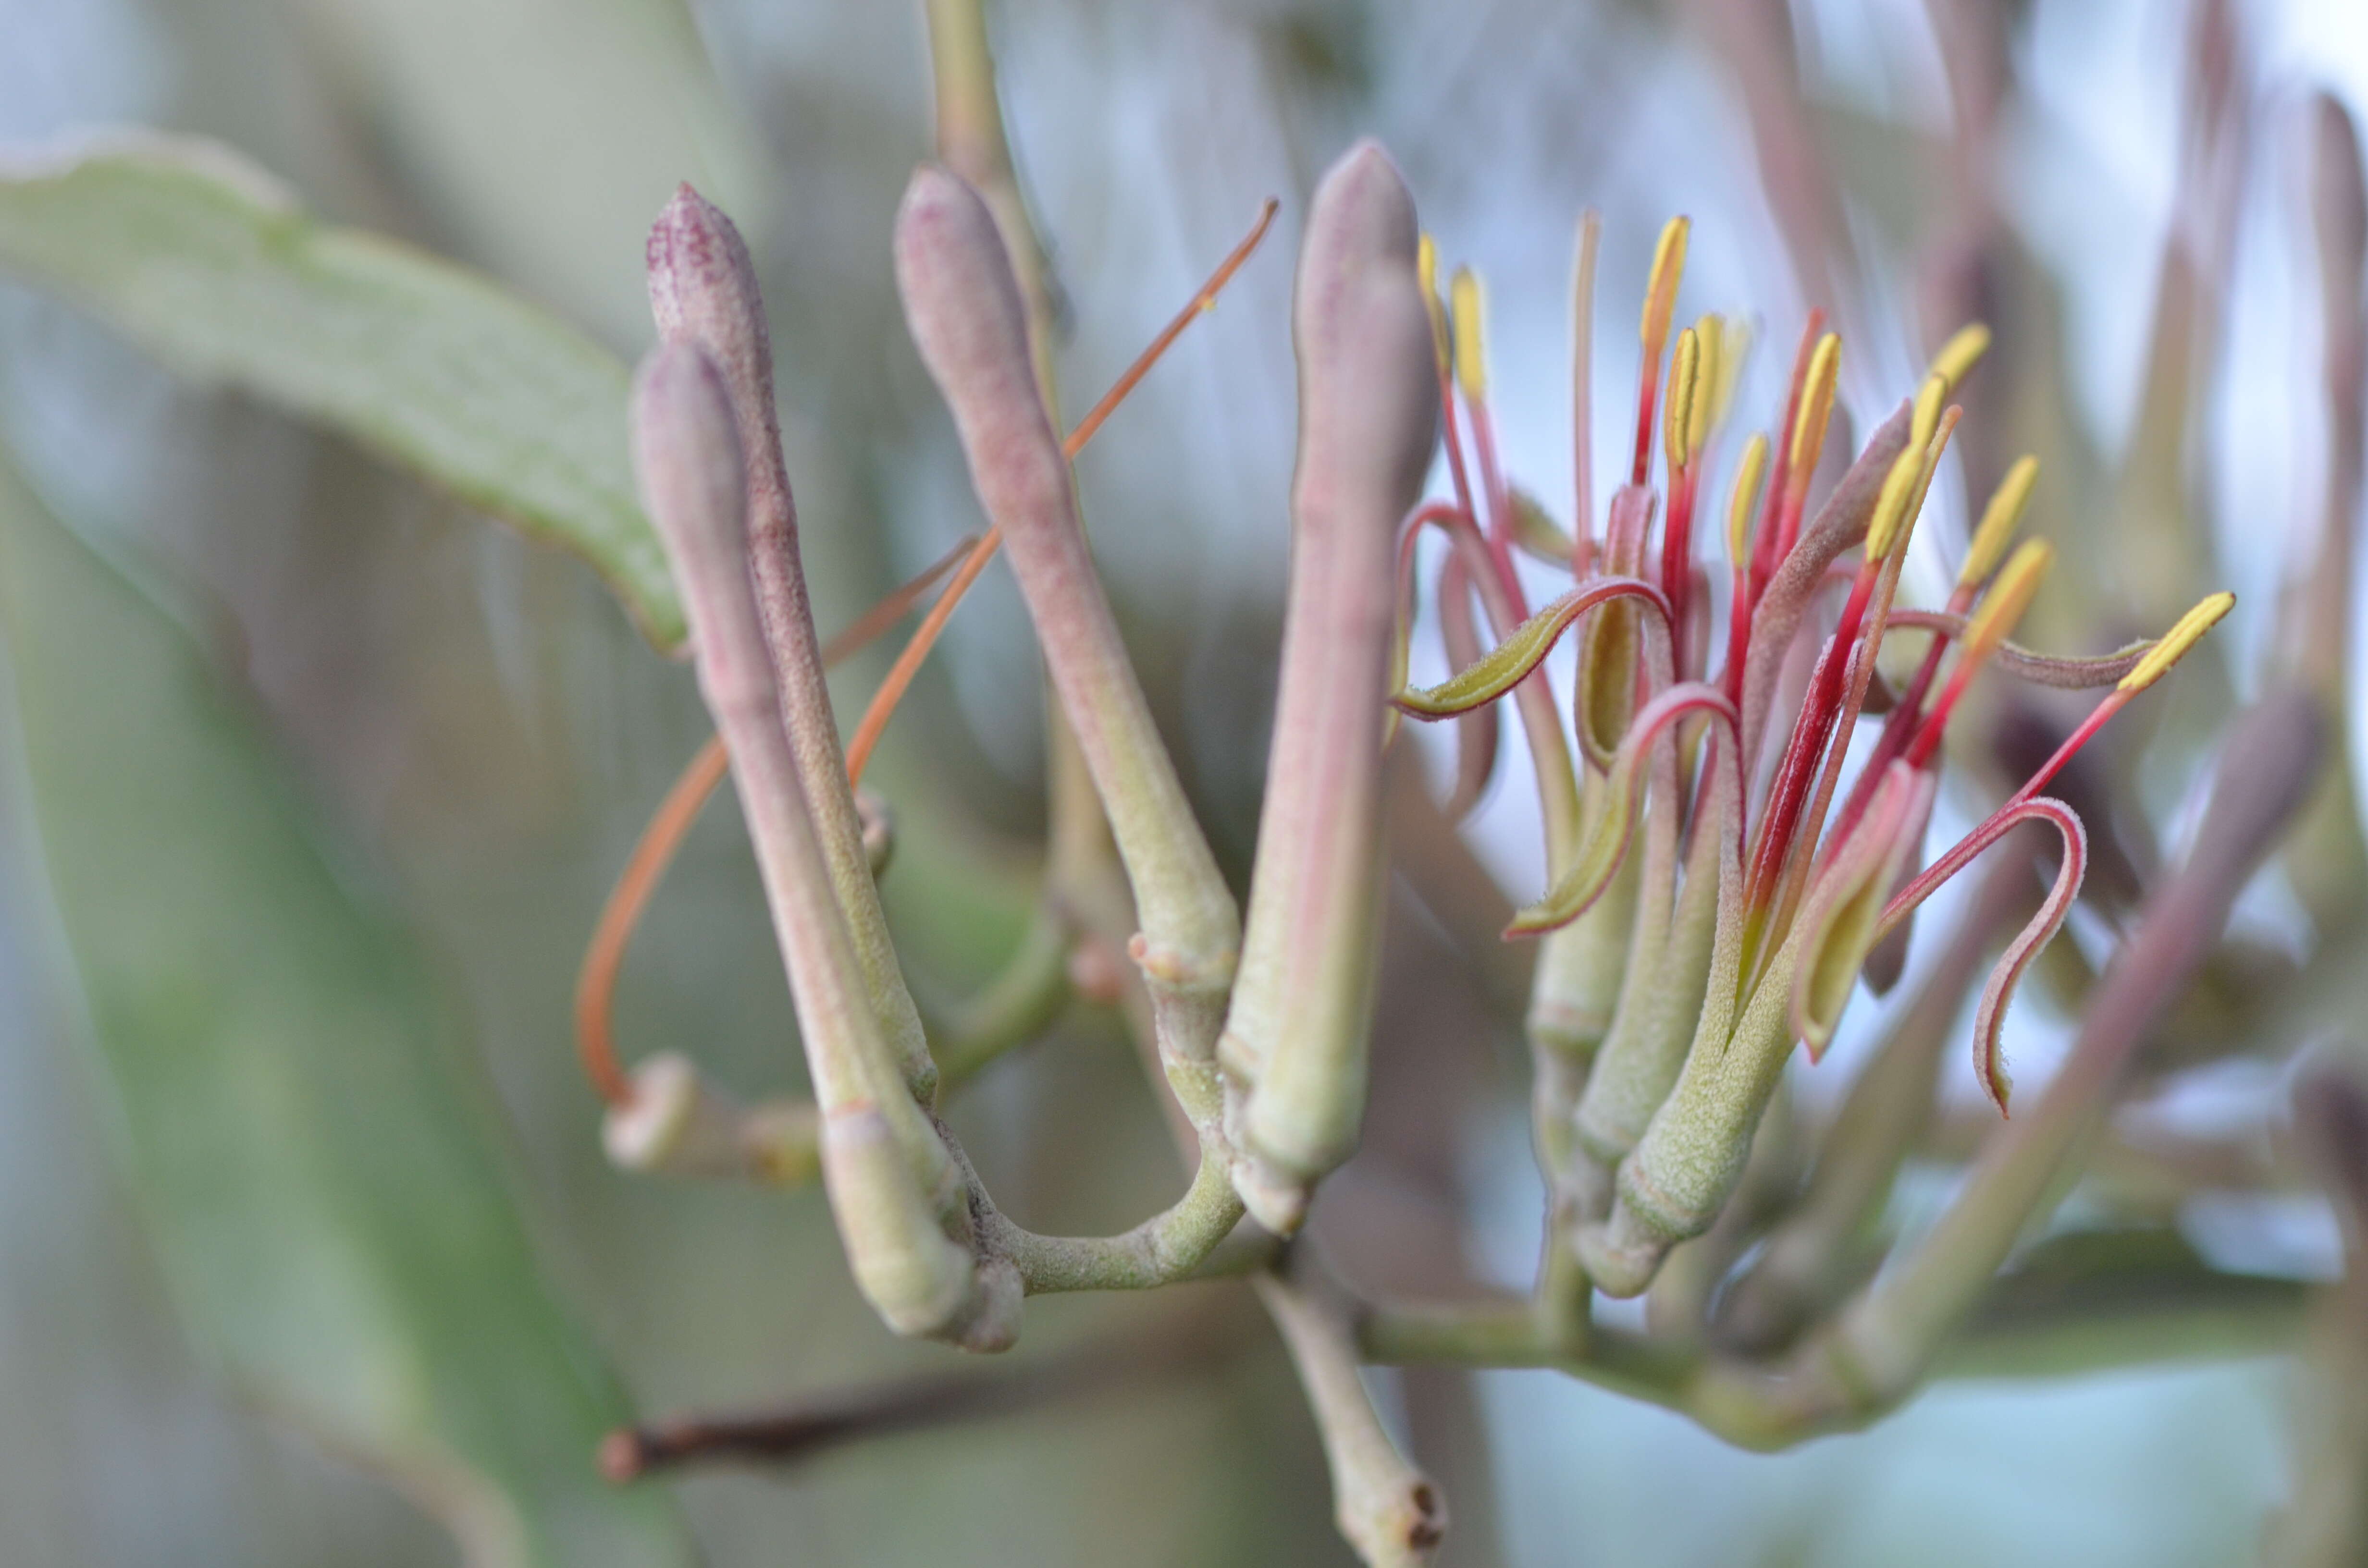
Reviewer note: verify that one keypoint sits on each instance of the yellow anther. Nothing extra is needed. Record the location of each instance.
(1661, 293)
(2011, 595)
(2000, 519)
(1740, 510)
(1710, 336)
(1929, 399)
(1960, 354)
(1471, 347)
(1678, 412)
(1426, 266)
(2176, 642)
(1816, 406)
(1891, 503)
(1734, 349)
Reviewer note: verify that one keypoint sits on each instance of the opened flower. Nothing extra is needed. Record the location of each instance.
(1701, 846)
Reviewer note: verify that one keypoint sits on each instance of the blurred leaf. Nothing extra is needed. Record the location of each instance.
(207, 263)
(315, 1163)
(538, 138)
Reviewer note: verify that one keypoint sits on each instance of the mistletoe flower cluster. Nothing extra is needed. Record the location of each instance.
(1715, 891)
(1727, 855)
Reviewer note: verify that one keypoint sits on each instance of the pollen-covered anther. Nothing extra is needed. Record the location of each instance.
(1929, 397)
(1678, 420)
(1817, 407)
(2183, 635)
(1661, 291)
(1469, 302)
(1748, 474)
(1960, 353)
(2000, 519)
(1426, 274)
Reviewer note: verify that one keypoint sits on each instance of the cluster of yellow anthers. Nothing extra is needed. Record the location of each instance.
(1709, 906)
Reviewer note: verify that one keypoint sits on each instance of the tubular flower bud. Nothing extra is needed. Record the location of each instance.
(703, 291)
(1296, 1029)
(963, 306)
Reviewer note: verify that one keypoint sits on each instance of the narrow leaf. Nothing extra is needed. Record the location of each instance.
(316, 1165)
(207, 263)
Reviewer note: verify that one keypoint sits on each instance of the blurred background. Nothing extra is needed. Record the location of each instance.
(473, 732)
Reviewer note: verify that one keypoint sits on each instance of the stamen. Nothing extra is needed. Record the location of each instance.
(1738, 507)
(1582, 390)
(2000, 519)
(1788, 837)
(1816, 408)
(1997, 525)
(1471, 343)
(1677, 533)
(1995, 615)
(1738, 555)
(1808, 440)
(1660, 304)
(2172, 647)
(1661, 287)
(1426, 267)
(1677, 426)
(1710, 337)
(1770, 548)
(1929, 399)
(1958, 356)
(2189, 631)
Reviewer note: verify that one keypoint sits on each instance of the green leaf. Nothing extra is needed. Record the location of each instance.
(317, 1160)
(207, 263)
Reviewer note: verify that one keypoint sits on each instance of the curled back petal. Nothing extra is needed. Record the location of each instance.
(1476, 731)
(1464, 541)
(2060, 671)
(1990, 1016)
(1599, 857)
(1603, 696)
(1842, 917)
(1505, 666)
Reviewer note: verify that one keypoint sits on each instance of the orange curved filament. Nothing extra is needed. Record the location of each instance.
(596, 983)
(925, 636)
